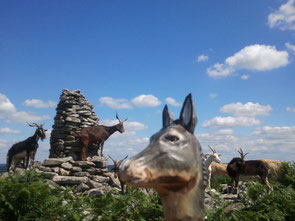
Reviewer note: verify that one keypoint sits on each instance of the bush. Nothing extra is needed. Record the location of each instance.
(134, 205)
(28, 197)
(278, 205)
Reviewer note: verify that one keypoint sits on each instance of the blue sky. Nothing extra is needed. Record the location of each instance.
(235, 57)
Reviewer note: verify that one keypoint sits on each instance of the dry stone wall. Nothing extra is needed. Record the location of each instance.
(90, 178)
(73, 113)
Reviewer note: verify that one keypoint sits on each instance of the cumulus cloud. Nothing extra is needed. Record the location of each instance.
(284, 17)
(220, 122)
(249, 109)
(172, 102)
(254, 57)
(146, 101)
(290, 109)
(7, 130)
(290, 47)
(39, 103)
(128, 125)
(116, 103)
(219, 70)
(266, 142)
(245, 77)
(9, 113)
(202, 58)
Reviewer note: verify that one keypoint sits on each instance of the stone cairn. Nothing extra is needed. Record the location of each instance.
(63, 167)
(72, 114)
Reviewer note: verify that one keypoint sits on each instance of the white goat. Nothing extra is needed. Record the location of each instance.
(209, 158)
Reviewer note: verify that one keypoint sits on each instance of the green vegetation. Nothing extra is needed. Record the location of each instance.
(29, 197)
(260, 205)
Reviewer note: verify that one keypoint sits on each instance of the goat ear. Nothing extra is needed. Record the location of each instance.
(188, 118)
(167, 119)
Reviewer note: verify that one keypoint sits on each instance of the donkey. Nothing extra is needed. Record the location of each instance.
(25, 150)
(172, 165)
(97, 134)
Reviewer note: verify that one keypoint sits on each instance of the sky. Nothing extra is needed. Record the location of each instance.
(235, 57)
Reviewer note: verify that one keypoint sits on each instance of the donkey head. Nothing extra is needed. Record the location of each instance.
(40, 131)
(120, 126)
(172, 160)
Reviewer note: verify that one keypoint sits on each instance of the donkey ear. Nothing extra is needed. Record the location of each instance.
(167, 119)
(188, 118)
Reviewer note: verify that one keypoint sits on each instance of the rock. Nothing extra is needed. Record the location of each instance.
(96, 192)
(81, 188)
(56, 161)
(69, 180)
(83, 164)
(67, 166)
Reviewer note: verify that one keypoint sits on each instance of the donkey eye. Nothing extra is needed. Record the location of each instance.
(171, 138)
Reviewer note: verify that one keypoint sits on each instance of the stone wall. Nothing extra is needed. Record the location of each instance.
(90, 178)
(73, 112)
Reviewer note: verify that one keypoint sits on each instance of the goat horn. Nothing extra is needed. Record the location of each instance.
(119, 163)
(117, 117)
(213, 150)
(114, 161)
(33, 125)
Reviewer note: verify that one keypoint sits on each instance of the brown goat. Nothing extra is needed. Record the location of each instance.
(115, 169)
(97, 134)
(238, 166)
(219, 169)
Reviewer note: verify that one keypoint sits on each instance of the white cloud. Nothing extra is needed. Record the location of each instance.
(39, 103)
(115, 103)
(221, 122)
(271, 133)
(290, 47)
(9, 131)
(212, 95)
(245, 77)
(146, 101)
(219, 70)
(172, 102)
(202, 58)
(5, 105)
(225, 131)
(254, 57)
(284, 17)
(8, 113)
(249, 109)
(128, 125)
(290, 109)
(276, 143)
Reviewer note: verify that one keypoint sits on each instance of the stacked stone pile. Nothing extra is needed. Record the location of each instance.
(89, 177)
(73, 113)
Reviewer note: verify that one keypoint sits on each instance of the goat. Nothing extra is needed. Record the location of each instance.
(208, 161)
(97, 134)
(238, 166)
(115, 169)
(218, 169)
(274, 167)
(25, 150)
(172, 165)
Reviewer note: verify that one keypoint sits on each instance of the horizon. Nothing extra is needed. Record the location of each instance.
(133, 57)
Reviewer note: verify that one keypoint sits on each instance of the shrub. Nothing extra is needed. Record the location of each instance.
(134, 205)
